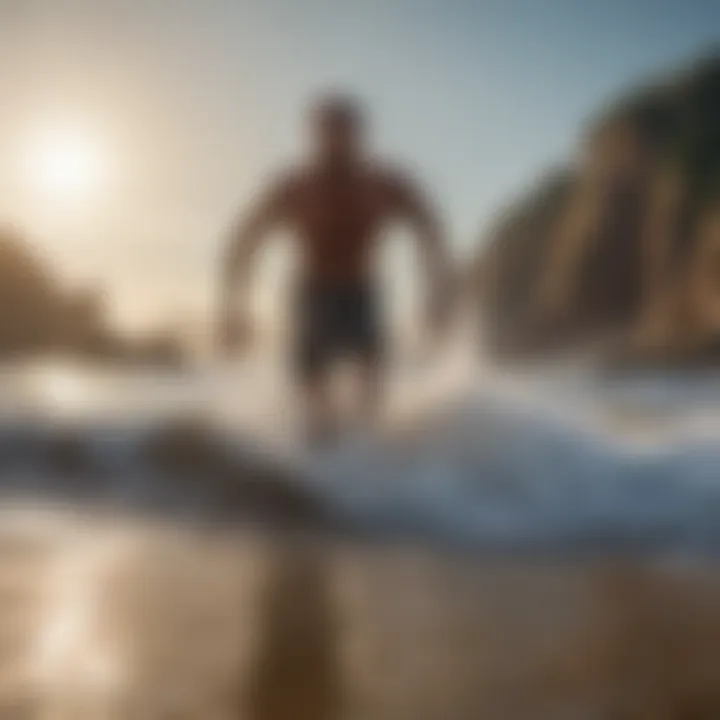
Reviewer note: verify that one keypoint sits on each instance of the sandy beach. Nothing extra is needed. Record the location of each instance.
(126, 619)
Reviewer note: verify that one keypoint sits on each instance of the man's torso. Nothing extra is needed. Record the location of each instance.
(336, 218)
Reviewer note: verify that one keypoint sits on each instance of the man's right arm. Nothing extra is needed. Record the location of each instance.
(246, 236)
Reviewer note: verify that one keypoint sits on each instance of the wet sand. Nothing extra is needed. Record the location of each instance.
(109, 618)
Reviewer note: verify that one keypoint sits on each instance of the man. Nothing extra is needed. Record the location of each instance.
(336, 207)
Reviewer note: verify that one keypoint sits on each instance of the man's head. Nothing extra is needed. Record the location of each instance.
(337, 126)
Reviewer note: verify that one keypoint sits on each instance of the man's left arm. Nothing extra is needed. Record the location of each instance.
(413, 206)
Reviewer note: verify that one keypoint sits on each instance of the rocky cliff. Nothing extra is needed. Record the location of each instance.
(621, 249)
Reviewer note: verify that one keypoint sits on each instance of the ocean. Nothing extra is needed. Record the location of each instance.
(465, 453)
(525, 544)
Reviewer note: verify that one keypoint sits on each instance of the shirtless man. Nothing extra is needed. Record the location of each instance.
(335, 207)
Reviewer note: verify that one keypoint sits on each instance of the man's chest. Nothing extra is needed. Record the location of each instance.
(354, 206)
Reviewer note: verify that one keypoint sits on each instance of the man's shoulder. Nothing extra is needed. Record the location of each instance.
(294, 181)
(393, 179)
(285, 186)
(386, 171)
(287, 180)
(386, 176)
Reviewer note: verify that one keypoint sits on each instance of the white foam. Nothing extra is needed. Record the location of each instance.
(473, 452)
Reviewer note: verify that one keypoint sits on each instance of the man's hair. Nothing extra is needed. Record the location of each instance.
(338, 109)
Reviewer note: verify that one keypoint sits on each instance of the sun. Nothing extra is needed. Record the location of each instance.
(65, 163)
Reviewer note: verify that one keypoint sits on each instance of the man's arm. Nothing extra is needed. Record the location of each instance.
(246, 235)
(415, 208)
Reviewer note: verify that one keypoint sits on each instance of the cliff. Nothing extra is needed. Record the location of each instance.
(39, 315)
(622, 249)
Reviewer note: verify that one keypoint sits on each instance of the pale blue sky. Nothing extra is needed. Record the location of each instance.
(192, 102)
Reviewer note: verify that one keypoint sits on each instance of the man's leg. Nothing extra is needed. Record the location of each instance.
(314, 363)
(367, 347)
(312, 359)
(369, 390)
(319, 417)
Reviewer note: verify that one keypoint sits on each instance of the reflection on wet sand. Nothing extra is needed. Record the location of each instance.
(126, 620)
(298, 641)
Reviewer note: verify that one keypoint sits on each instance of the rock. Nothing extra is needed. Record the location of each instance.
(184, 447)
(233, 482)
(68, 454)
(618, 244)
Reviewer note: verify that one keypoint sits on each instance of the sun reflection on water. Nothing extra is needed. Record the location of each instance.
(74, 660)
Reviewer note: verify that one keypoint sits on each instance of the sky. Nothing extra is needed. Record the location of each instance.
(186, 106)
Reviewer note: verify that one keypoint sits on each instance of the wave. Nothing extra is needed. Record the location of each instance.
(558, 460)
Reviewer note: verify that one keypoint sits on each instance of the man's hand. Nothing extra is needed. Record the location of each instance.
(234, 335)
(437, 316)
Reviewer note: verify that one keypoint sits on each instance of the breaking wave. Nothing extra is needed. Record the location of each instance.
(562, 459)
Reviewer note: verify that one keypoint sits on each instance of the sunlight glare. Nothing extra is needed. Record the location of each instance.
(65, 164)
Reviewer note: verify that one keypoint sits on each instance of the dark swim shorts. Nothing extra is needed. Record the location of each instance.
(334, 323)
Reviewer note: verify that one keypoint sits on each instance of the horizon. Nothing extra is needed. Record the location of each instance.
(134, 133)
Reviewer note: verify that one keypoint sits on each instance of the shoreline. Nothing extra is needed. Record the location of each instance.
(217, 625)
